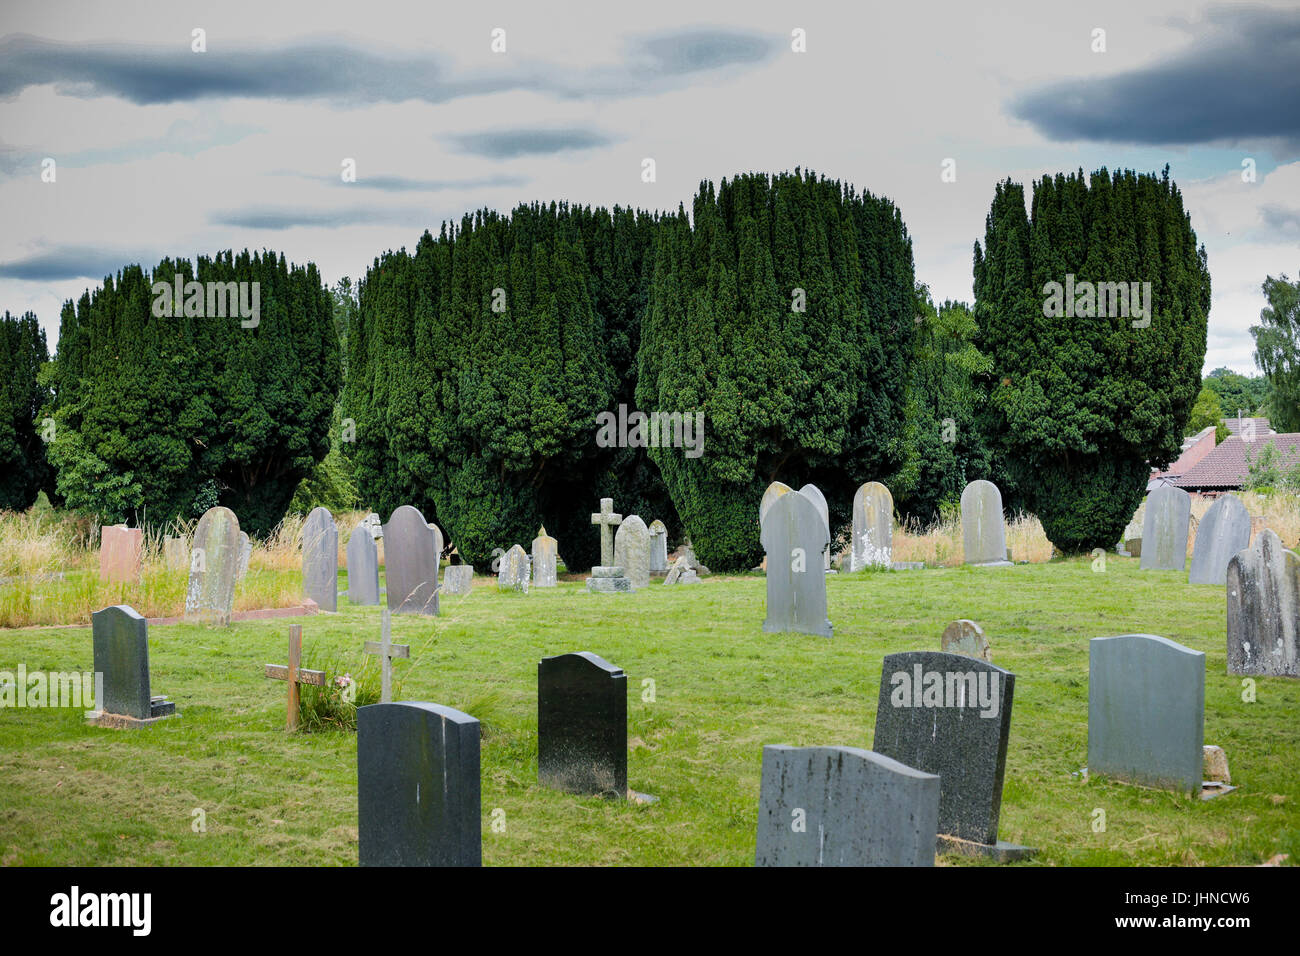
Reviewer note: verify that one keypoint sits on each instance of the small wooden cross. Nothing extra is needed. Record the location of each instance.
(387, 650)
(294, 675)
(608, 521)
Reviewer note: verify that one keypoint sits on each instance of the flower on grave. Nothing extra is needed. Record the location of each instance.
(344, 680)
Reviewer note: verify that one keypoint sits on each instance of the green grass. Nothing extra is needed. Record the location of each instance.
(74, 794)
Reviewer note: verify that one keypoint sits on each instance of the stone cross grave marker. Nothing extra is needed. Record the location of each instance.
(1164, 529)
(121, 639)
(545, 553)
(387, 651)
(1223, 532)
(363, 567)
(1264, 609)
(794, 537)
(320, 559)
(607, 577)
(294, 674)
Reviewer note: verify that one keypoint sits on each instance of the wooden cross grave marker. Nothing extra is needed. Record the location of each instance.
(294, 675)
(387, 650)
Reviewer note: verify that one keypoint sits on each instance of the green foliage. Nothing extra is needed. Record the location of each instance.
(1080, 406)
(24, 470)
(1277, 351)
(1206, 412)
(348, 685)
(1236, 392)
(331, 483)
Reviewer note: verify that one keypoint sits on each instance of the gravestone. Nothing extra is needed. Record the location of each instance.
(545, 553)
(121, 641)
(1264, 609)
(245, 552)
(410, 563)
(1146, 709)
(320, 559)
(873, 528)
(375, 525)
(214, 562)
(515, 570)
(120, 551)
(658, 547)
(632, 551)
(1223, 532)
(438, 543)
(1164, 529)
(386, 650)
(774, 491)
(607, 577)
(965, 638)
(582, 725)
(814, 494)
(681, 572)
(950, 715)
(983, 531)
(417, 785)
(458, 579)
(842, 806)
(294, 675)
(363, 567)
(176, 553)
(795, 537)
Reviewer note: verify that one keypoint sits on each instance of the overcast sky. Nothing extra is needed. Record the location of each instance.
(160, 150)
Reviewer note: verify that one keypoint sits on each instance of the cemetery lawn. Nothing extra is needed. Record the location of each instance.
(79, 795)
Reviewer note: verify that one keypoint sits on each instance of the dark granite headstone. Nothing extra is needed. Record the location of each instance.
(410, 563)
(841, 806)
(363, 567)
(320, 559)
(582, 724)
(1146, 711)
(417, 785)
(121, 639)
(950, 715)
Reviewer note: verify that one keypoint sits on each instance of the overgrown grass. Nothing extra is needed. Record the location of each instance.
(721, 690)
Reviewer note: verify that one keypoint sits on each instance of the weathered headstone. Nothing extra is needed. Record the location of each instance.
(983, 529)
(545, 554)
(873, 528)
(965, 638)
(950, 715)
(795, 537)
(1264, 609)
(458, 579)
(607, 577)
(814, 494)
(1164, 529)
(120, 552)
(515, 570)
(774, 491)
(842, 806)
(375, 524)
(245, 553)
(320, 559)
(294, 675)
(1146, 710)
(681, 572)
(438, 543)
(410, 563)
(1223, 532)
(418, 786)
(214, 562)
(386, 651)
(121, 639)
(363, 567)
(176, 553)
(582, 724)
(632, 550)
(658, 547)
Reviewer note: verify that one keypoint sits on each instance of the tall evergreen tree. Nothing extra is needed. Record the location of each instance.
(1277, 351)
(24, 470)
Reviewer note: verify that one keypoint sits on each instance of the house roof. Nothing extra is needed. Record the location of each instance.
(1237, 425)
(1195, 448)
(1227, 466)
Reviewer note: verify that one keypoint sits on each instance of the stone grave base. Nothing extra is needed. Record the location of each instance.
(1000, 852)
(993, 564)
(160, 708)
(608, 579)
(908, 565)
(1214, 788)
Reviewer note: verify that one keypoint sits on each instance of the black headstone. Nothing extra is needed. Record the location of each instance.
(121, 638)
(950, 715)
(418, 786)
(582, 724)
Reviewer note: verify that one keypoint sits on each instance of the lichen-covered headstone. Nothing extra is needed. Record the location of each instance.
(1263, 585)
(245, 552)
(458, 579)
(176, 553)
(363, 567)
(795, 537)
(120, 552)
(214, 563)
(1164, 529)
(582, 724)
(842, 806)
(410, 563)
(514, 571)
(983, 529)
(658, 547)
(545, 554)
(966, 638)
(774, 491)
(632, 550)
(1223, 532)
(320, 559)
(873, 528)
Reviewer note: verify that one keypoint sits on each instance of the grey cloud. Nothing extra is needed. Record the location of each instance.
(694, 51)
(292, 217)
(69, 262)
(513, 143)
(1281, 218)
(406, 184)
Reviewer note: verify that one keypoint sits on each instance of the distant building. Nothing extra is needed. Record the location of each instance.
(1206, 469)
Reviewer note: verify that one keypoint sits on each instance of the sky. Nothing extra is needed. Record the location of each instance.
(160, 149)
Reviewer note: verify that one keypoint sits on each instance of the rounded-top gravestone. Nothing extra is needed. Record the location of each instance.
(774, 491)
(873, 527)
(983, 530)
(1164, 529)
(214, 564)
(320, 559)
(632, 550)
(814, 494)
(410, 563)
(1223, 532)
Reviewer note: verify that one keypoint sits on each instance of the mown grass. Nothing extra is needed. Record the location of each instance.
(74, 794)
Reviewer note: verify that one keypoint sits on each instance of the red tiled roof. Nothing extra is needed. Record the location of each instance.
(1226, 466)
(1237, 425)
(1194, 449)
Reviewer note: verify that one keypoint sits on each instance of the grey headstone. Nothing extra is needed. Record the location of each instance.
(1264, 609)
(814, 494)
(774, 491)
(458, 579)
(320, 559)
(582, 724)
(608, 520)
(841, 806)
(417, 785)
(363, 567)
(632, 550)
(1223, 532)
(214, 561)
(373, 522)
(1146, 710)
(795, 537)
(545, 554)
(1164, 529)
(949, 715)
(121, 638)
(438, 542)
(514, 571)
(983, 530)
(680, 567)
(658, 546)
(966, 638)
(245, 552)
(410, 563)
(873, 527)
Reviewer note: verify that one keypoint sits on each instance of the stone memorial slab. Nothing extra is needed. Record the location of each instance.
(814, 494)
(1223, 532)
(120, 552)
(983, 529)
(1264, 609)
(774, 491)
(176, 553)
(245, 553)
(582, 725)
(410, 563)
(873, 528)
(1164, 529)
(1146, 711)
(965, 638)
(439, 544)
(658, 547)
(373, 522)
(632, 551)
(795, 537)
(363, 567)
(515, 570)
(121, 641)
(418, 785)
(214, 563)
(842, 806)
(950, 715)
(320, 559)
(607, 577)
(458, 579)
(545, 557)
